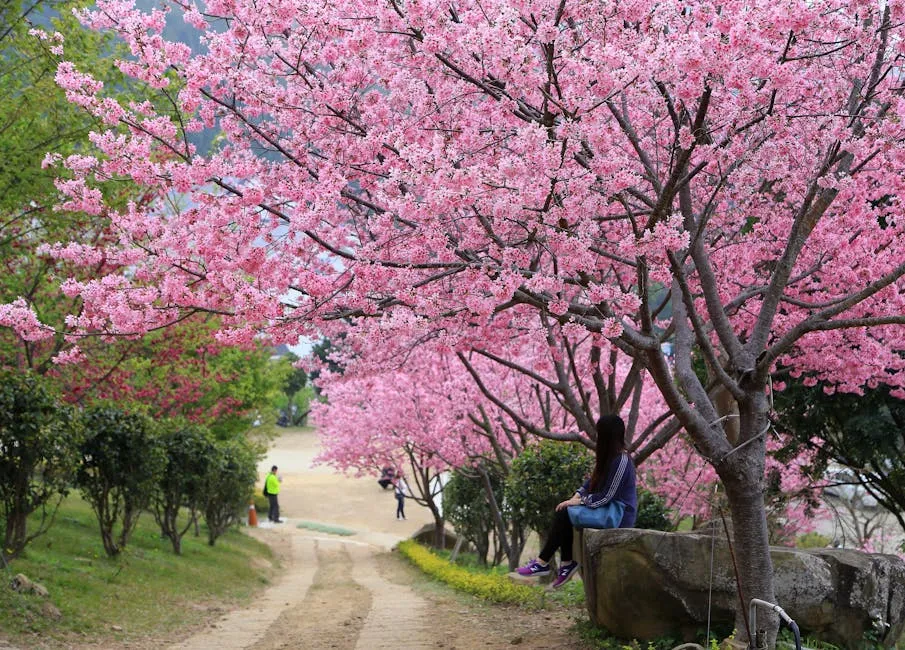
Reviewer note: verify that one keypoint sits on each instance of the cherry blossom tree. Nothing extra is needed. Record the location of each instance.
(36, 117)
(399, 418)
(522, 400)
(725, 177)
(182, 372)
(414, 407)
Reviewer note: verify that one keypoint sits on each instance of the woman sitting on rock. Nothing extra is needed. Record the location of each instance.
(608, 499)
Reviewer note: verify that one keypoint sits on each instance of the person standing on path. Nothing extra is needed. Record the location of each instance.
(399, 489)
(608, 499)
(272, 490)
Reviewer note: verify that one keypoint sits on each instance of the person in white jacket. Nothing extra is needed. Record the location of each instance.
(400, 489)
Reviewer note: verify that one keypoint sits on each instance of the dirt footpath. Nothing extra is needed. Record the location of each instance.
(351, 592)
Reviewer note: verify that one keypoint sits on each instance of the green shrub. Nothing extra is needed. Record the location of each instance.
(121, 461)
(496, 588)
(600, 638)
(652, 512)
(228, 485)
(262, 505)
(465, 506)
(189, 451)
(542, 476)
(812, 540)
(38, 458)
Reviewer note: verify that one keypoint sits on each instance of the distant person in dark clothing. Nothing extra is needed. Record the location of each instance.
(387, 474)
(608, 499)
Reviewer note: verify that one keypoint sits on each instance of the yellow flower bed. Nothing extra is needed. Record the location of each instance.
(496, 588)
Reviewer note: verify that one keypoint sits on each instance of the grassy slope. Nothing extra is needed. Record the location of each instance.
(147, 591)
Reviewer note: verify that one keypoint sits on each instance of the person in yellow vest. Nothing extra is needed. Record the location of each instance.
(271, 490)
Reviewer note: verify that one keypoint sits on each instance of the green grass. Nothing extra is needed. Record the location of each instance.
(146, 591)
(325, 528)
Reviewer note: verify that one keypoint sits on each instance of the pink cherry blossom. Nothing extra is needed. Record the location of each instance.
(732, 175)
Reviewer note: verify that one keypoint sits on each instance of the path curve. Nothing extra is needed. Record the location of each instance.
(329, 593)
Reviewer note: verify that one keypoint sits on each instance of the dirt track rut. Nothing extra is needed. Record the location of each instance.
(330, 593)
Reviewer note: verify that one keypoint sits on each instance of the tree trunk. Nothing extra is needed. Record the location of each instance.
(439, 529)
(727, 408)
(499, 524)
(15, 535)
(110, 546)
(742, 474)
(130, 520)
(16, 518)
(516, 545)
(482, 548)
(106, 520)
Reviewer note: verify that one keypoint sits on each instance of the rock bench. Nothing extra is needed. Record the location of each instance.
(645, 584)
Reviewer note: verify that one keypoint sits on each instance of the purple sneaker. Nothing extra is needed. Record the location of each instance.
(566, 571)
(533, 568)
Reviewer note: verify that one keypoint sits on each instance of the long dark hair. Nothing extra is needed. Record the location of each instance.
(610, 443)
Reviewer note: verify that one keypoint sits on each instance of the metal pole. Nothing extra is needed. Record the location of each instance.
(752, 611)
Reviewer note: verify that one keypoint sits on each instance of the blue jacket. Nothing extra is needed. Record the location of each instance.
(619, 485)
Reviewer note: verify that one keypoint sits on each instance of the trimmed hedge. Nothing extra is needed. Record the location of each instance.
(496, 588)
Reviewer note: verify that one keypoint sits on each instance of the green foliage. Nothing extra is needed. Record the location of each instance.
(296, 378)
(812, 540)
(260, 501)
(228, 485)
(601, 639)
(323, 350)
(37, 458)
(33, 110)
(863, 432)
(496, 588)
(465, 506)
(254, 383)
(543, 475)
(653, 513)
(189, 451)
(786, 641)
(122, 459)
(36, 118)
(294, 407)
(179, 373)
(147, 592)
(469, 561)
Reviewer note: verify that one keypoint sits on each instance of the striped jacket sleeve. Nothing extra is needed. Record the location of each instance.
(607, 491)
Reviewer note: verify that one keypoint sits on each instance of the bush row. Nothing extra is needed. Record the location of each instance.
(496, 588)
(123, 463)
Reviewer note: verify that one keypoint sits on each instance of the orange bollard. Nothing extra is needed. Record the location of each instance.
(252, 515)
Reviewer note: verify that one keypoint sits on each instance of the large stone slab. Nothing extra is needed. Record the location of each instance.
(645, 584)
